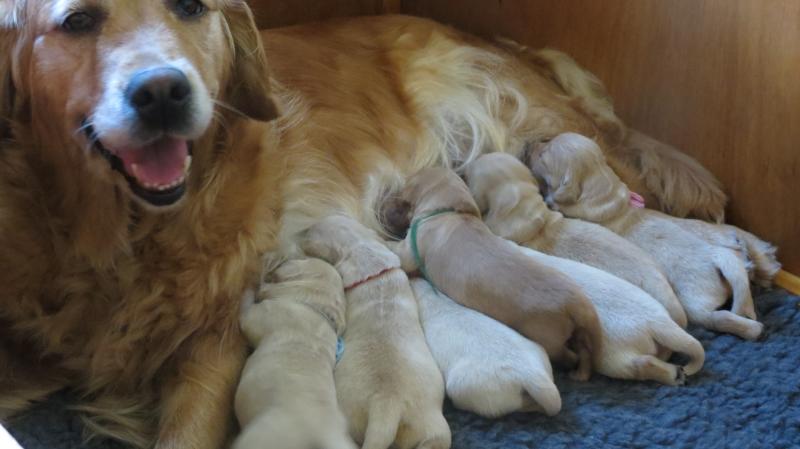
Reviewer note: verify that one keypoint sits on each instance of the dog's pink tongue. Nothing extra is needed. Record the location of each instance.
(158, 164)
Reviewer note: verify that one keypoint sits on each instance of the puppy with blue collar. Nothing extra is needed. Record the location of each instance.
(286, 397)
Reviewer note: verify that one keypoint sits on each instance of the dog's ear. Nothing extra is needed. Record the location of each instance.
(396, 216)
(249, 85)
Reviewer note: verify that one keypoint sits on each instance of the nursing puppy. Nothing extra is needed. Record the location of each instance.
(488, 368)
(387, 381)
(477, 269)
(288, 381)
(506, 192)
(581, 185)
(638, 334)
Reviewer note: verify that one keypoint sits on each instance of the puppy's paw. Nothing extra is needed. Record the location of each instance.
(680, 376)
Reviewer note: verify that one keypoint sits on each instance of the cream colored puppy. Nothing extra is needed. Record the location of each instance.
(488, 368)
(452, 247)
(506, 192)
(580, 184)
(287, 384)
(387, 381)
(638, 334)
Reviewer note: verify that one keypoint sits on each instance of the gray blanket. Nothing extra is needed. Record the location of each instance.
(746, 397)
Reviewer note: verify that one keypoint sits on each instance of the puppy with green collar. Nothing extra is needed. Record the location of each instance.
(449, 244)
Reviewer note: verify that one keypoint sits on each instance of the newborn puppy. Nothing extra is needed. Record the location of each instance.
(488, 368)
(288, 381)
(450, 245)
(581, 185)
(505, 189)
(761, 256)
(638, 334)
(387, 381)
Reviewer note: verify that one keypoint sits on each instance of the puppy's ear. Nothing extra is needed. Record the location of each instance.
(315, 243)
(568, 191)
(248, 88)
(396, 216)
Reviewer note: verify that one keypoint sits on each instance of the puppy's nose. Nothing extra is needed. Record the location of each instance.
(161, 97)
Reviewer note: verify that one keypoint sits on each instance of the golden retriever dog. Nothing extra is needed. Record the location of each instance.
(512, 207)
(638, 334)
(454, 250)
(287, 382)
(387, 381)
(581, 185)
(488, 368)
(140, 179)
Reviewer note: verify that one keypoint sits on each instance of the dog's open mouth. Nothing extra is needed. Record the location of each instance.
(156, 172)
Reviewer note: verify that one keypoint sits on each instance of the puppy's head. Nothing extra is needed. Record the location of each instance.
(431, 189)
(507, 195)
(311, 281)
(577, 180)
(356, 251)
(125, 90)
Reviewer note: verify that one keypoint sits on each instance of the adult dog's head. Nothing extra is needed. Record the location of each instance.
(127, 89)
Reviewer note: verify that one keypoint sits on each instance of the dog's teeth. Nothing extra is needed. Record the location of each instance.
(186, 164)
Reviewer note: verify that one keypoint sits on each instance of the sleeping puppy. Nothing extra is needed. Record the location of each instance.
(638, 334)
(488, 368)
(762, 262)
(288, 381)
(505, 189)
(581, 185)
(387, 381)
(450, 245)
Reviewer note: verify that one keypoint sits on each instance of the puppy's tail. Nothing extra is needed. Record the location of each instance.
(734, 271)
(382, 424)
(544, 394)
(676, 339)
(763, 255)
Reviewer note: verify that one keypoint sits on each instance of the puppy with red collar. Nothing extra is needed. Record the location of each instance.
(387, 381)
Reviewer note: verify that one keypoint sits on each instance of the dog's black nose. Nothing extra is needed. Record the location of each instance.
(161, 97)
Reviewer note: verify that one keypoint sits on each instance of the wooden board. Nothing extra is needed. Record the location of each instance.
(719, 79)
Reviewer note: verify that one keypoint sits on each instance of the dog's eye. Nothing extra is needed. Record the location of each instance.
(190, 8)
(79, 22)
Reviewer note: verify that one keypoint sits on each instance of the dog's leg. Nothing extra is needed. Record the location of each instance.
(24, 381)
(197, 404)
(725, 321)
(648, 367)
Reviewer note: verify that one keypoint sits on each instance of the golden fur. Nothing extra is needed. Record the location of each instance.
(481, 271)
(136, 307)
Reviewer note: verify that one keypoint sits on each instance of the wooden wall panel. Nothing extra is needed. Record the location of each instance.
(276, 13)
(719, 79)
